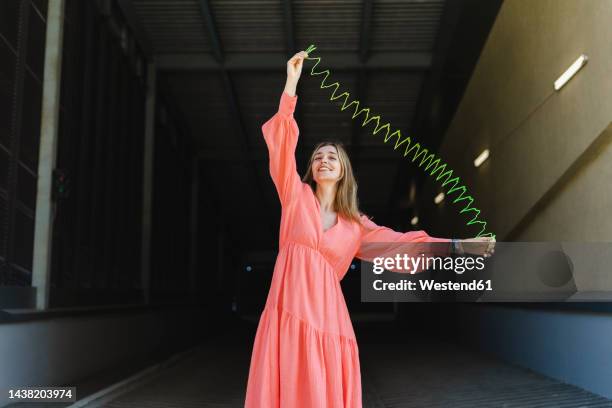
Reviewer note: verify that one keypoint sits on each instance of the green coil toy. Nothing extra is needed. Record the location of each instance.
(425, 160)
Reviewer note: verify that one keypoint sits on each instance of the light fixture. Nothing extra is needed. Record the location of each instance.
(412, 192)
(571, 71)
(482, 157)
(439, 198)
(414, 220)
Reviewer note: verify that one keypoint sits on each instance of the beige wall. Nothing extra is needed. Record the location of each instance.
(549, 176)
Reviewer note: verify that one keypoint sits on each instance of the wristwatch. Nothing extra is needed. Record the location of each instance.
(455, 247)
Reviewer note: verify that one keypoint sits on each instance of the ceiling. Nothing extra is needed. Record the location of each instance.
(221, 63)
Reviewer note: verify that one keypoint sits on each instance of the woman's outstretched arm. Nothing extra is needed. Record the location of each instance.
(381, 241)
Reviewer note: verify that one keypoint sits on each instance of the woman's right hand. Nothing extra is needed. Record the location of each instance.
(482, 246)
(294, 66)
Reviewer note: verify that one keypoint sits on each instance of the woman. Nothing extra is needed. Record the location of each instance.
(305, 353)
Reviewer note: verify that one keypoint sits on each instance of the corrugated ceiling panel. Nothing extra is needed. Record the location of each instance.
(405, 25)
(250, 26)
(333, 25)
(173, 26)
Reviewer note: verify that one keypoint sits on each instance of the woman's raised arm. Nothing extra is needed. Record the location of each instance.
(281, 132)
(294, 71)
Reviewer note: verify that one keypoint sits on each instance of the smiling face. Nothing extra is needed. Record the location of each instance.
(326, 164)
(330, 164)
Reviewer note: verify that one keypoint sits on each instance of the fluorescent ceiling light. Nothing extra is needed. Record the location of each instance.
(412, 192)
(414, 220)
(439, 198)
(571, 71)
(482, 157)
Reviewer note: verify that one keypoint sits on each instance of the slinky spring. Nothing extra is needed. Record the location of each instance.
(425, 160)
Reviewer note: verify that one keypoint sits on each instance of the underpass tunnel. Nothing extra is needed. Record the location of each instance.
(140, 224)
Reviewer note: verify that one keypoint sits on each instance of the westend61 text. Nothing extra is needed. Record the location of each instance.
(430, 284)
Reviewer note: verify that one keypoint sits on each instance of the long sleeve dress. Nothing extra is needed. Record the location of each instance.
(305, 353)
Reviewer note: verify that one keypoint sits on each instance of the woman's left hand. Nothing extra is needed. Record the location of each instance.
(482, 246)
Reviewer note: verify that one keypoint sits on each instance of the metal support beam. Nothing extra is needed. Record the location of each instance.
(448, 24)
(431, 85)
(206, 185)
(127, 8)
(147, 207)
(230, 91)
(338, 61)
(361, 88)
(238, 122)
(211, 28)
(49, 133)
(382, 153)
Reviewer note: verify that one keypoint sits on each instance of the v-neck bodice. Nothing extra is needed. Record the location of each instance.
(320, 212)
(301, 223)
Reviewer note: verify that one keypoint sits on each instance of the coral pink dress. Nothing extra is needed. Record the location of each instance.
(305, 353)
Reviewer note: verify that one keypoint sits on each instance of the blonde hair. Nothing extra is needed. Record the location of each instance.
(345, 203)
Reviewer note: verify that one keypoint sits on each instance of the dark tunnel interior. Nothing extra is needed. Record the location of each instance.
(140, 225)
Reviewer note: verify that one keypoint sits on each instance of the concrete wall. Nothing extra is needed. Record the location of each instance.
(534, 133)
(548, 177)
(65, 350)
(571, 347)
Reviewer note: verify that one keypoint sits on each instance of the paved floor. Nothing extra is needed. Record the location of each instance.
(396, 373)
